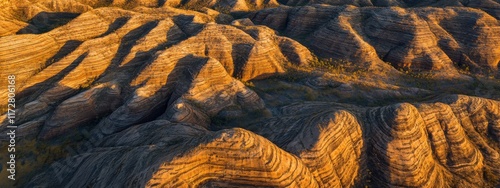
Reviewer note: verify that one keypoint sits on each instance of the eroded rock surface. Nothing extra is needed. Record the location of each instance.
(438, 143)
(172, 65)
(438, 39)
(149, 93)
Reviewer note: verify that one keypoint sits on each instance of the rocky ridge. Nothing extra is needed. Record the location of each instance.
(417, 39)
(442, 143)
(197, 98)
(169, 63)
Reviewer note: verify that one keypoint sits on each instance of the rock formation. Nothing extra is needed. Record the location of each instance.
(438, 143)
(418, 39)
(319, 93)
(142, 61)
(491, 7)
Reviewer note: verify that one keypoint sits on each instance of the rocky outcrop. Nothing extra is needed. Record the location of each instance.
(491, 7)
(171, 65)
(40, 16)
(402, 155)
(329, 143)
(207, 158)
(445, 147)
(419, 39)
(436, 143)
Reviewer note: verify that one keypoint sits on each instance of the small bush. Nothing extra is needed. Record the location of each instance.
(223, 9)
(249, 84)
(340, 66)
(196, 5)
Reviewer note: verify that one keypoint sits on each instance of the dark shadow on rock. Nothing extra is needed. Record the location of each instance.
(126, 45)
(141, 61)
(377, 165)
(46, 21)
(132, 68)
(161, 3)
(31, 93)
(66, 49)
(186, 24)
(117, 24)
(179, 82)
(240, 53)
(128, 42)
(36, 90)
